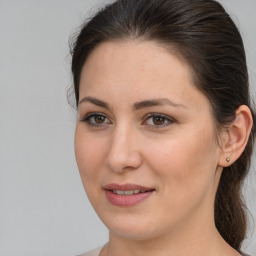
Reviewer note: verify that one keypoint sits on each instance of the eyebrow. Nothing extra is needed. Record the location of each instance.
(137, 105)
(95, 101)
(156, 102)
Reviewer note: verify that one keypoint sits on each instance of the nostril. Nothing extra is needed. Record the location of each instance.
(123, 161)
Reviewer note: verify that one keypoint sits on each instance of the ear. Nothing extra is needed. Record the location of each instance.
(236, 138)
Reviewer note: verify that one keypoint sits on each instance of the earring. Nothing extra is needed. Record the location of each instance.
(228, 159)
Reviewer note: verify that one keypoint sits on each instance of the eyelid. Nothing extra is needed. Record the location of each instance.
(151, 115)
(87, 117)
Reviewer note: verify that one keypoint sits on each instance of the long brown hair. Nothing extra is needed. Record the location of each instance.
(203, 34)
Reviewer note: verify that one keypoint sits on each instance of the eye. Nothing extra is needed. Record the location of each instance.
(96, 119)
(158, 120)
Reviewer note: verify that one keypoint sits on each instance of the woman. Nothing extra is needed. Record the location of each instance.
(165, 128)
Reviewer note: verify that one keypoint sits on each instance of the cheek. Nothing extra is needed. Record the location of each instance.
(88, 151)
(185, 161)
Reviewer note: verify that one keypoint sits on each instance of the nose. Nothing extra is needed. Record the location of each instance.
(123, 154)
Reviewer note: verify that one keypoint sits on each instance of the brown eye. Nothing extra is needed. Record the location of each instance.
(158, 120)
(94, 119)
(99, 119)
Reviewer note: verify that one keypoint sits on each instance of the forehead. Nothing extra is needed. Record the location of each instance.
(136, 69)
(134, 54)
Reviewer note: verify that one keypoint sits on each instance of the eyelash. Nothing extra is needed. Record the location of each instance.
(88, 117)
(166, 118)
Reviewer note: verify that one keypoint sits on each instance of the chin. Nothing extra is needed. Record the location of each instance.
(134, 229)
(132, 234)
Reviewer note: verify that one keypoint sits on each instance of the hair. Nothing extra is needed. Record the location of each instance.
(204, 35)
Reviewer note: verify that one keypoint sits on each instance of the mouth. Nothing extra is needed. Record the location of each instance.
(128, 192)
(127, 195)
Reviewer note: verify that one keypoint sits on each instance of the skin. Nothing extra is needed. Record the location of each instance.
(180, 158)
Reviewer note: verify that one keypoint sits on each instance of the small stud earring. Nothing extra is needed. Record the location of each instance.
(228, 159)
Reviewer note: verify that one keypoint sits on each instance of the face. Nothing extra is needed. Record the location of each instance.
(145, 143)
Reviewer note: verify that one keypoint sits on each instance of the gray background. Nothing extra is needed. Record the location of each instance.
(43, 208)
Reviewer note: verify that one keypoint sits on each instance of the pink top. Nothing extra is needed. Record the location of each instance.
(95, 252)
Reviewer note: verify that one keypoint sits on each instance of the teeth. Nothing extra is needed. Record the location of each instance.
(128, 192)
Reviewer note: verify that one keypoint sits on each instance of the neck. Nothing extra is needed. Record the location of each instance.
(204, 240)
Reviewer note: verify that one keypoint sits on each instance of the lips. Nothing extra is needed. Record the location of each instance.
(127, 194)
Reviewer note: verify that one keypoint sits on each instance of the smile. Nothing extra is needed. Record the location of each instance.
(128, 192)
(127, 195)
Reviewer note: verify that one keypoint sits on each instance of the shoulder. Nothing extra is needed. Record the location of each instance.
(95, 252)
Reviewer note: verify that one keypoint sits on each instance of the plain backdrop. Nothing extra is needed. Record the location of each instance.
(43, 208)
